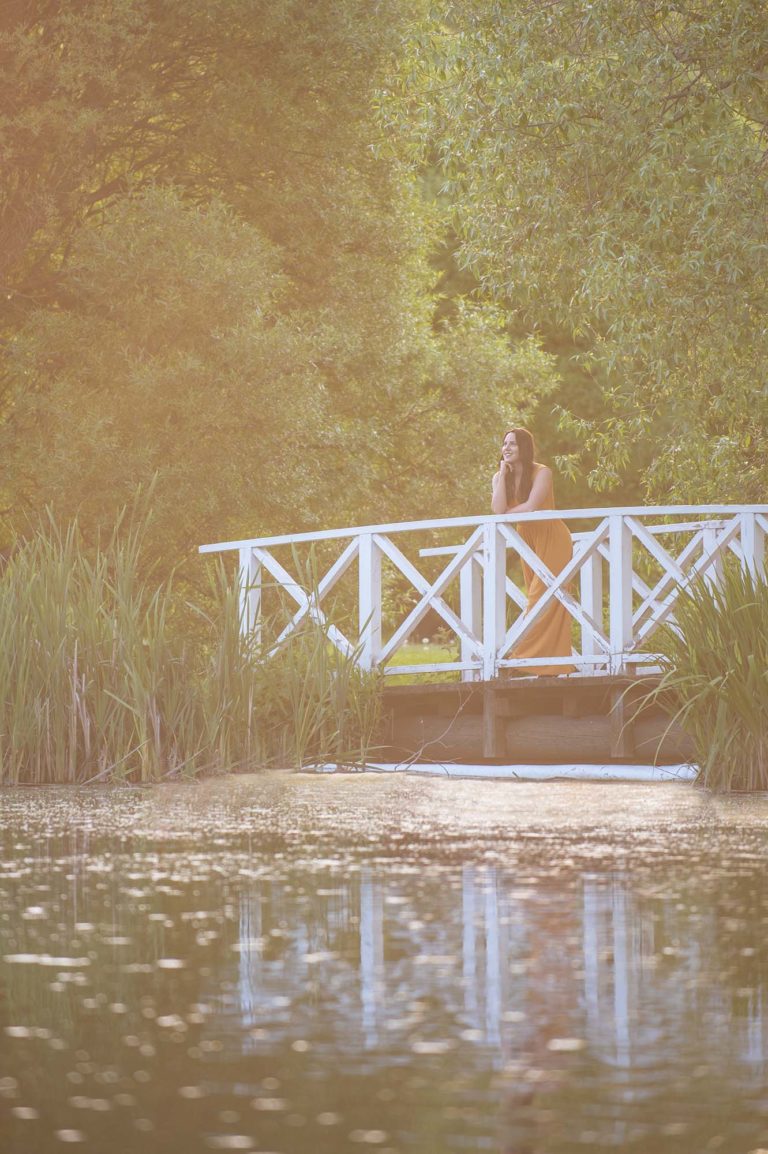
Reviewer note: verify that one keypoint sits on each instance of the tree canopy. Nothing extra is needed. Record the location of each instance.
(213, 278)
(302, 263)
(606, 164)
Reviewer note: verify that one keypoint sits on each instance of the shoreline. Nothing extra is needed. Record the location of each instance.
(685, 772)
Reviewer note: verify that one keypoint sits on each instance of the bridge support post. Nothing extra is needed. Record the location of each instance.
(471, 609)
(494, 596)
(249, 585)
(494, 724)
(620, 579)
(622, 715)
(753, 543)
(369, 600)
(591, 575)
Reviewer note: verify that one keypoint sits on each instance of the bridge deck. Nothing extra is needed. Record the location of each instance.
(374, 588)
(534, 720)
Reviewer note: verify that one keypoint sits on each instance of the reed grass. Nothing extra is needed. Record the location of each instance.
(715, 678)
(107, 676)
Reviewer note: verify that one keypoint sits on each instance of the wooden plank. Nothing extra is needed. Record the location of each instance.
(494, 726)
(538, 740)
(510, 686)
(541, 721)
(577, 706)
(665, 559)
(622, 727)
(513, 705)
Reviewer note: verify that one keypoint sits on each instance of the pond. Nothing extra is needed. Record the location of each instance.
(293, 963)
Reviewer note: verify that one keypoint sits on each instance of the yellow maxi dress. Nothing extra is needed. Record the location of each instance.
(551, 635)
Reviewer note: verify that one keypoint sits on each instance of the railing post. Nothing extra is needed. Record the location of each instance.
(591, 575)
(369, 600)
(713, 573)
(620, 585)
(249, 588)
(471, 609)
(494, 596)
(753, 544)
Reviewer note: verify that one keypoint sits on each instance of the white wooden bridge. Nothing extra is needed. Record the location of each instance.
(628, 569)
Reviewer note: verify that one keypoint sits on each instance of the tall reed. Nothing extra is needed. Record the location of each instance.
(102, 677)
(715, 678)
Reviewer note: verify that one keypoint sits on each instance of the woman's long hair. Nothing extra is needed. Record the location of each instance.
(527, 451)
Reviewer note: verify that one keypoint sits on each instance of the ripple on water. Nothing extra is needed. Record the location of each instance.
(295, 962)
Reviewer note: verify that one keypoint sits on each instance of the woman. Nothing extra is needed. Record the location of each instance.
(523, 486)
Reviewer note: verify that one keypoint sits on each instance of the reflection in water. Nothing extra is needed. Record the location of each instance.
(622, 976)
(371, 958)
(156, 996)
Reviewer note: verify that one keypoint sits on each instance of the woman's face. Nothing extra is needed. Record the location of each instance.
(509, 450)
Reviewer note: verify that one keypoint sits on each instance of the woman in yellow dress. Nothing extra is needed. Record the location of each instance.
(521, 485)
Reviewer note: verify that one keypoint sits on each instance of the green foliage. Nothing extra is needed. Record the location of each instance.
(303, 263)
(214, 278)
(716, 678)
(423, 653)
(102, 677)
(443, 444)
(606, 167)
(171, 359)
(263, 103)
(316, 705)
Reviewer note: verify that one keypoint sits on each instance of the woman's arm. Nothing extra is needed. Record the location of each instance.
(541, 490)
(499, 490)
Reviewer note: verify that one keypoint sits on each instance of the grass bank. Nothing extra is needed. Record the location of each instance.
(424, 653)
(107, 676)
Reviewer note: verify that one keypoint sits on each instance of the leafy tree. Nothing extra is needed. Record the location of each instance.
(169, 357)
(173, 355)
(212, 277)
(606, 162)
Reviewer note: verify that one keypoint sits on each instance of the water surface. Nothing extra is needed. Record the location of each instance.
(331, 964)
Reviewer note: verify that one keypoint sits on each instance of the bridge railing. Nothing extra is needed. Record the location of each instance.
(627, 572)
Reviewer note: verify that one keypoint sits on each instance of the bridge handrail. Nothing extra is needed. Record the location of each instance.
(673, 527)
(484, 519)
(637, 547)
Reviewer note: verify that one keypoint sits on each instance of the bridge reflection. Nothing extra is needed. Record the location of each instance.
(516, 971)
